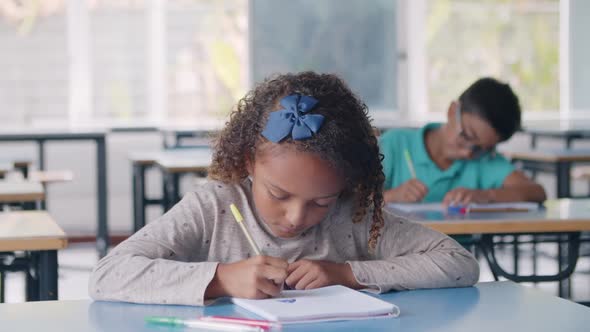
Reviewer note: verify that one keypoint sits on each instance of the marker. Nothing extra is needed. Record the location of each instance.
(264, 324)
(240, 221)
(410, 163)
(457, 209)
(202, 324)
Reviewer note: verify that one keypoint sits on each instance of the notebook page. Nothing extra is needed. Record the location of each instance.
(417, 207)
(327, 303)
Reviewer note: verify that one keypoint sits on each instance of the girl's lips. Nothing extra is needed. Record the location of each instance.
(287, 230)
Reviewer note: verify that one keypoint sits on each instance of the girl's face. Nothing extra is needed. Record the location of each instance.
(292, 190)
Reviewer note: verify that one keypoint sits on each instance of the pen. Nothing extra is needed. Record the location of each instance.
(410, 163)
(506, 209)
(202, 324)
(240, 221)
(466, 209)
(264, 324)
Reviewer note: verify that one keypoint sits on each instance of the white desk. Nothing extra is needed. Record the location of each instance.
(488, 307)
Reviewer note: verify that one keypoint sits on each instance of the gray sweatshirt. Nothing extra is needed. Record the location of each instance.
(174, 258)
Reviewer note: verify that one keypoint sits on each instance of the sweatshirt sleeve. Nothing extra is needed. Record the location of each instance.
(157, 264)
(412, 256)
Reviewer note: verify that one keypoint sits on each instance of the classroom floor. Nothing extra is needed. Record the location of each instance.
(77, 261)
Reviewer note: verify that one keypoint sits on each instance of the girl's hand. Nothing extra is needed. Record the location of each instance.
(308, 274)
(464, 196)
(411, 191)
(258, 277)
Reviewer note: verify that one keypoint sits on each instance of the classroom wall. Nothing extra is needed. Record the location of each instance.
(579, 54)
(74, 204)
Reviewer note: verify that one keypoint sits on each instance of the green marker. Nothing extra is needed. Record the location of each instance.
(202, 324)
(410, 163)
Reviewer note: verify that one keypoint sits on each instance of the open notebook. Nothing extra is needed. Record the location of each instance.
(319, 305)
(489, 207)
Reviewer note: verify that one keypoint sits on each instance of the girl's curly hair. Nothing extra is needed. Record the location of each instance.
(346, 139)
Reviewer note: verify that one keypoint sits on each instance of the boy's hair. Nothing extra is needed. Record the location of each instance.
(496, 103)
(345, 140)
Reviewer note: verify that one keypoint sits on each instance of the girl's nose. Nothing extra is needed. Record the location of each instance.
(296, 216)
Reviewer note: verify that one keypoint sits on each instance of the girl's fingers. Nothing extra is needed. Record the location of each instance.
(294, 277)
(307, 279)
(268, 288)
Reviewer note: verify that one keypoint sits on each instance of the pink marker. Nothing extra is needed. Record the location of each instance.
(264, 324)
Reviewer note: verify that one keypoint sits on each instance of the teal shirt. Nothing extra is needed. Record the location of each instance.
(487, 172)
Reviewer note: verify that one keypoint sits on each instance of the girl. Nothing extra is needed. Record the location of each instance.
(300, 161)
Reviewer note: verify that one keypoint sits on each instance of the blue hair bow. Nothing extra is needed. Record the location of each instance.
(292, 119)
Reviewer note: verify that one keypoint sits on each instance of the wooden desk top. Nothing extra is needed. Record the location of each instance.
(549, 155)
(30, 230)
(562, 215)
(21, 191)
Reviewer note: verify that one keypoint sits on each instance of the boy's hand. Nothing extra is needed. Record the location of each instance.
(463, 196)
(308, 274)
(258, 277)
(411, 191)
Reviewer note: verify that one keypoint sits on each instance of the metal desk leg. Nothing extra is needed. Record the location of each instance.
(176, 189)
(569, 265)
(562, 174)
(138, 196)
(515, 253)
(32, 277)
(47, 275)
(534, 254)
(41, 155)
(2, 285)
(171, 188)
(102, 236)
(166, 190)
(41, 144)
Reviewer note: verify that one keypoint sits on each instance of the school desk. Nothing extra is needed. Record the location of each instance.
(41, 136)
(566, 130)
(21, 191)
(8, 164)
(176, 136)
(37, 235)
(556, 161)
(173, 163)
(566, 217)
(487, 307)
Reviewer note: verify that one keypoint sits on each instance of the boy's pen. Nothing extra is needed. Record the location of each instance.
(203, 324)
(240, 221)
(410, 163)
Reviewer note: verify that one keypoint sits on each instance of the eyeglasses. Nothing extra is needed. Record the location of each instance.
(477, 151)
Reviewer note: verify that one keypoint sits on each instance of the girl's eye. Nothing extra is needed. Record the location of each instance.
(277, 197)
(322, 204)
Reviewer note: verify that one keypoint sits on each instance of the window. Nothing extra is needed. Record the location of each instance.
(354, 39)
(206, 58)
(516, 41)
(33, 63)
